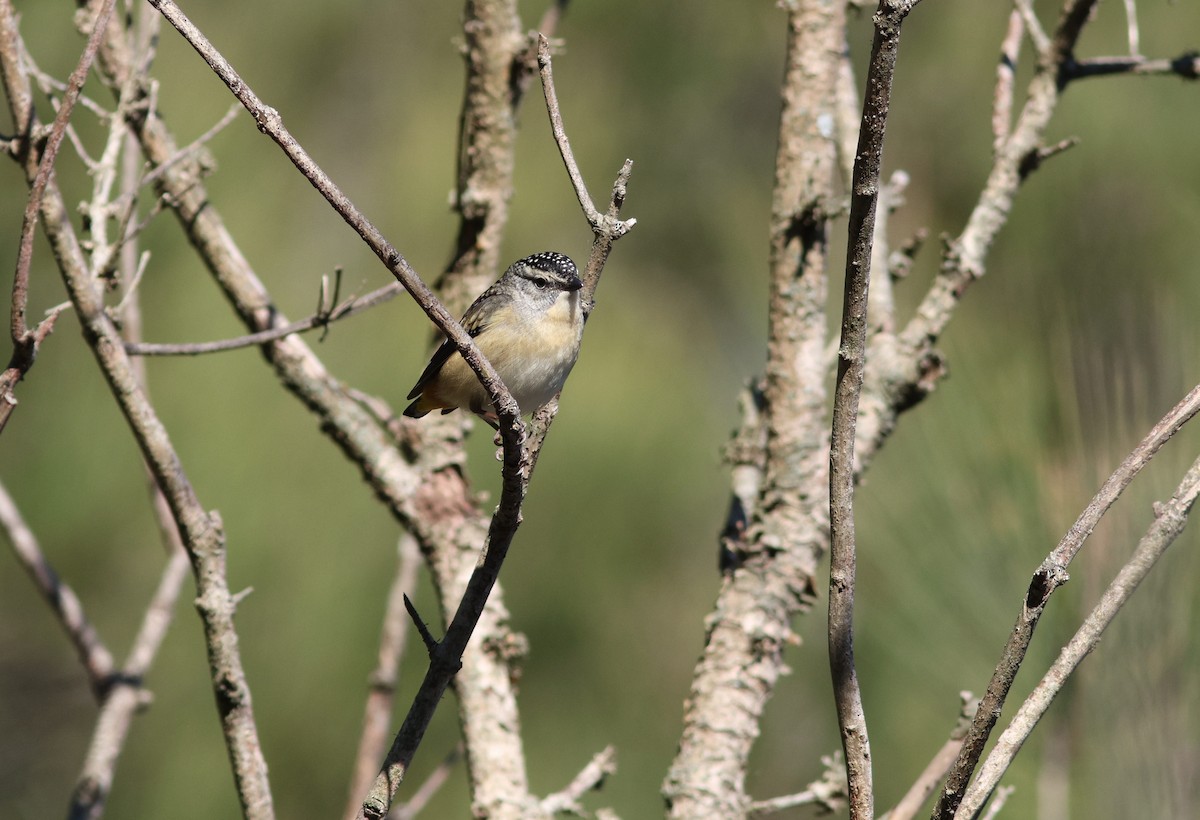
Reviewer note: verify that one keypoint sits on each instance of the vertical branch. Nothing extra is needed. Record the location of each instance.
(851, 363)
(775, 535)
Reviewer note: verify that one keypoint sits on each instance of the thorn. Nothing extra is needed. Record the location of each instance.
(430, 644)
(1034, 159)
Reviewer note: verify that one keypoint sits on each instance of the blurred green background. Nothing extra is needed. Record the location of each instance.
(1080, 336)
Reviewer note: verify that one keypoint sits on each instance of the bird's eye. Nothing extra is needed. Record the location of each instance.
(540, 283)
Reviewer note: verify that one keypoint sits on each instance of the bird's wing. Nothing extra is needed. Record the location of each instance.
(474, 321)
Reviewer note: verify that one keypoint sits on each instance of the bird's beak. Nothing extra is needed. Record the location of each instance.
(574, 283)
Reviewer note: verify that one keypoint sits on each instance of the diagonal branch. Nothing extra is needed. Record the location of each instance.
(270, 123)
(1169, 521)
(93, 654)
(392, 644)
(929, 778)
(446, 656)
(1049, 577)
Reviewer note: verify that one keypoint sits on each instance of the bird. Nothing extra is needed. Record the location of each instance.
(529, 325)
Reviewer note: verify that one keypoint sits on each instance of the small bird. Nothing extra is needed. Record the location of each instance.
(528, 324)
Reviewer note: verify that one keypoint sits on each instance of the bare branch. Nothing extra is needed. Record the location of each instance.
(1034, 159)
(590, 778)
(271, 124)
(49, 153)
(829, 793)
(26, 342)
(381, 694)
(200, 530)
(1049, 577)
(773, 540)
(346, 309)
(1186, 65)
(93, 654)
(428, 788)
(851, 365)
(560, 135)
(1031, 24)
(1170, 518)
(613, 227)
(927, 781)
(997, 804)
(127, 695)
(446, 657)
(1131, 21)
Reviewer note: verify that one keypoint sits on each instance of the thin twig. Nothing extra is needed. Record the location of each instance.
(428, 788)
(556, 126)
(828, 793)
(851, 365)
(49, 154)
(26, 342)
(201, 531)
(602, 224)
(346, 309)
(127, 695)
(93, 654)
(419, 622)
(270, 123)
(381, 695)
(1186, 65)
(927, 781)
(125, 206)
(1037, 35)
(1049, 577)
(590, 778)
(1135, 46)
(1170, 518)
(994, 808)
